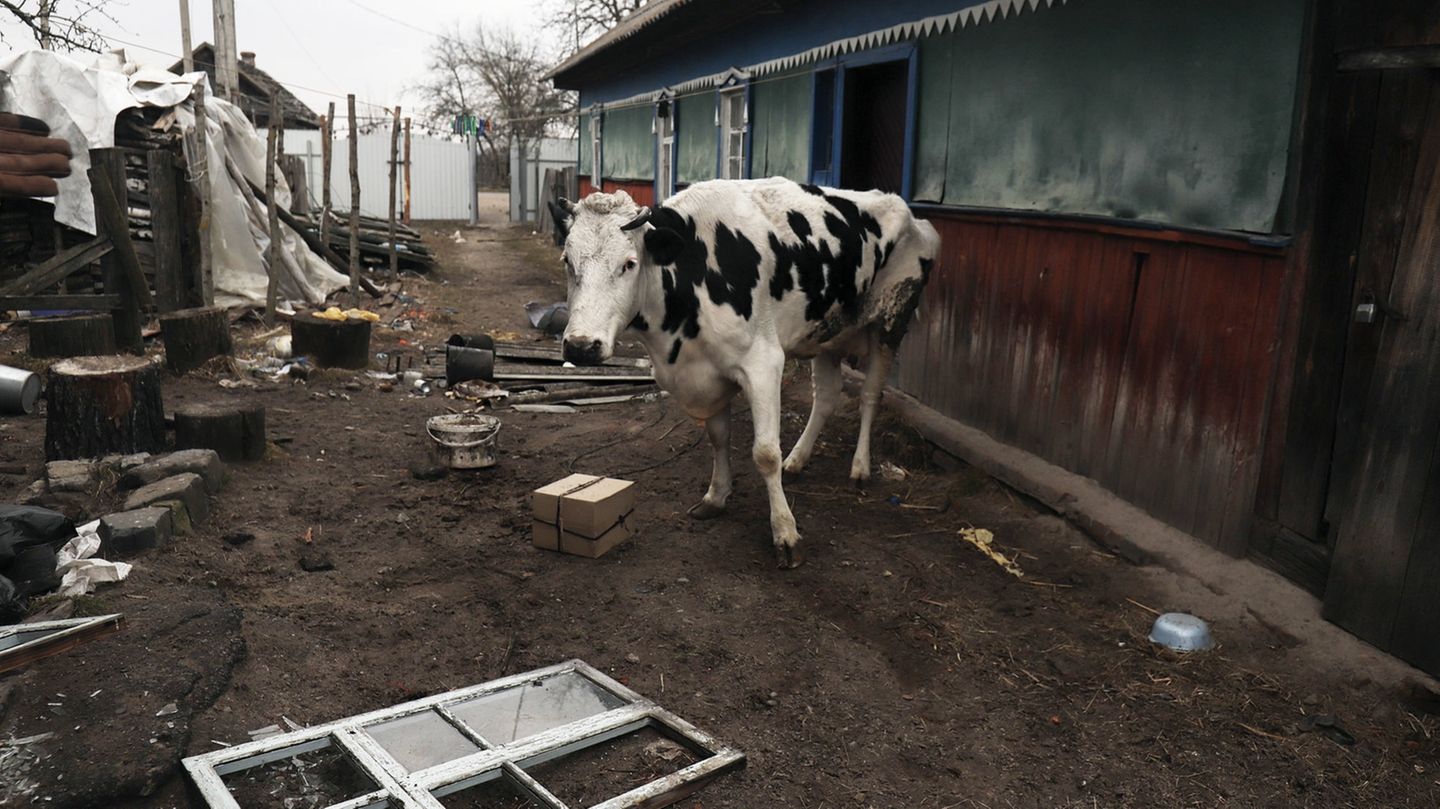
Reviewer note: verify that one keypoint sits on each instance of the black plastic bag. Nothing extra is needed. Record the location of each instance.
(28, 526)
(33, 571)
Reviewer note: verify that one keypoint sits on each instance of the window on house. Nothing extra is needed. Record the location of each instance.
(665, 140)
(872, 140)
(822, 145)
(596, 170)
(733, 120)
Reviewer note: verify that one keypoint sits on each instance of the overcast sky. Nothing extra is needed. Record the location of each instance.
(321, 49)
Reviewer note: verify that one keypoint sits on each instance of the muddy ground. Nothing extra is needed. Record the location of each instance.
(898, 668)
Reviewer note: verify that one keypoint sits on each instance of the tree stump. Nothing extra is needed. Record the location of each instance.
(332, 343)
(73, 336)
(235, 431)
(103, 405)
(193, 336)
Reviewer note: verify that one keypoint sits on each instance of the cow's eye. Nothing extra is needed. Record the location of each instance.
(630, 265)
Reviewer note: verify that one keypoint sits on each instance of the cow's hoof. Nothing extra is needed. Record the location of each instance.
(789, 557)
(705, 511)
(793, 466)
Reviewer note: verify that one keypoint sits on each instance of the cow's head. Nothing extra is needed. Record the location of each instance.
(605, 258)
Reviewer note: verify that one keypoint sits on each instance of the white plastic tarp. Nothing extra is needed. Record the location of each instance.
(80, 103)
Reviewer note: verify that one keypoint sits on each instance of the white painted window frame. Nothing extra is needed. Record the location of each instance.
(665, 144)
(597, 130)
(729, 127)
(415, 790)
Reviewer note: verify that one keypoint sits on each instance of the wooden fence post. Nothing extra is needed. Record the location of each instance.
(200, 177)
(329, 133)
(407, 171)
(394, 161)
(354, 204)
(165, 227)
(272, 287)
(120, 268)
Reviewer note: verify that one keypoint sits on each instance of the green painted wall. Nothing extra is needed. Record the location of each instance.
(1178, 112)
(586, 153)
(780, 113)
(695, 137)
(628, 144)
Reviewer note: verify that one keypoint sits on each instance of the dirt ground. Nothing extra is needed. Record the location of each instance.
(899, 667)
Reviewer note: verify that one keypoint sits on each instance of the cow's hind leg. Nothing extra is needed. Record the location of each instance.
(825, 381)
(762, 389)
(877, 369)
(717, 427)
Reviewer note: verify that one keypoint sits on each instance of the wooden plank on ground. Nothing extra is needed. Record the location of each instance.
(58, 267)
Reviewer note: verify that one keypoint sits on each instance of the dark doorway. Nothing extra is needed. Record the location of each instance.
(872, 145)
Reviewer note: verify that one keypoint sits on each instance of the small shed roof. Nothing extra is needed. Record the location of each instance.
(256, 88)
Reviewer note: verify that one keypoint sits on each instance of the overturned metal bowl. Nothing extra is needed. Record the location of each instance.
(1181, 632)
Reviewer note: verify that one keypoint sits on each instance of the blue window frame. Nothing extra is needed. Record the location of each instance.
(828, 147)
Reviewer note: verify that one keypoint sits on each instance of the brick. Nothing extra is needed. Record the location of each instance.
(203, 462)
(129, 532)
(187, 488)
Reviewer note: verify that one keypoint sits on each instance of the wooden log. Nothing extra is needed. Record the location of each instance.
(120, 268)
(193, 336)
(165, 230)
(293, 167)
(331, 343)
(354, 205)
(72, 336)
(103, 405)
(236, 431)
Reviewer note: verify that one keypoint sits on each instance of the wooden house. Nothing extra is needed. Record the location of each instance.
(256, 88)
(1191, 249)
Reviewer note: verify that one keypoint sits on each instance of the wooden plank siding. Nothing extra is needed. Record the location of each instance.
(1139, 358)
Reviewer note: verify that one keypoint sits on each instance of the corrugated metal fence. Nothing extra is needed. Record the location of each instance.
(527, 173)
(439, 174)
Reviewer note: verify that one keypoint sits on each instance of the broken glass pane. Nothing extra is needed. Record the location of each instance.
(18, 638)
(525, 710)
(421, 740)
(612, 768)
(497, 793)
(306, 780)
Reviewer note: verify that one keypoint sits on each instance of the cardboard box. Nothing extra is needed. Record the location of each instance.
(583, 515)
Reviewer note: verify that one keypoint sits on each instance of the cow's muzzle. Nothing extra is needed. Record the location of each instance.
(584, 351)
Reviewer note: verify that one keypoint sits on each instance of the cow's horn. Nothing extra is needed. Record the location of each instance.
(567, 205)
(640, 219)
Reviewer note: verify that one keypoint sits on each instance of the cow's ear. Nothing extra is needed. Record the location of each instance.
(664, 245)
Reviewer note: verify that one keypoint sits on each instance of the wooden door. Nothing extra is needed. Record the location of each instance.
(1384, 494)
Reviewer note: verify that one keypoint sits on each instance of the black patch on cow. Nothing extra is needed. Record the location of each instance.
(813, 189)
(732, 284)
(799, 225)
(675, 351)
(639, 323)
(828, 276)
(926, 265)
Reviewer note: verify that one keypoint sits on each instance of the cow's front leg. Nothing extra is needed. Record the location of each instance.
(825, 382)
(717, 427)
(876, 371)
(762, 388)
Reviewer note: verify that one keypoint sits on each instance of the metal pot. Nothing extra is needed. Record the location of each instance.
(19, 391)
(464, 440)
(463, 363)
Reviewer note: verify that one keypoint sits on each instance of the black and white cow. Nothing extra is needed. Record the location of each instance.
(725, 280)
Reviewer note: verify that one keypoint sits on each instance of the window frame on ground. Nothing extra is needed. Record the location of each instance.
(58, 637)
(419, 789)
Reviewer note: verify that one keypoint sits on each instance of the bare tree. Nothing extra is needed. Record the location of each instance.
(496, 76)
(67, 24)
(582, 20)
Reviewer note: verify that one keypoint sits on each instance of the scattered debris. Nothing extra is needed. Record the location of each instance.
(315, 560)
(984, 540)
(81, 573)
(551, 318)
(1329, 726)
(891, 472)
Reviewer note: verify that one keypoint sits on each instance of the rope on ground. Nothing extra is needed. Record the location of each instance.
(570, 467)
